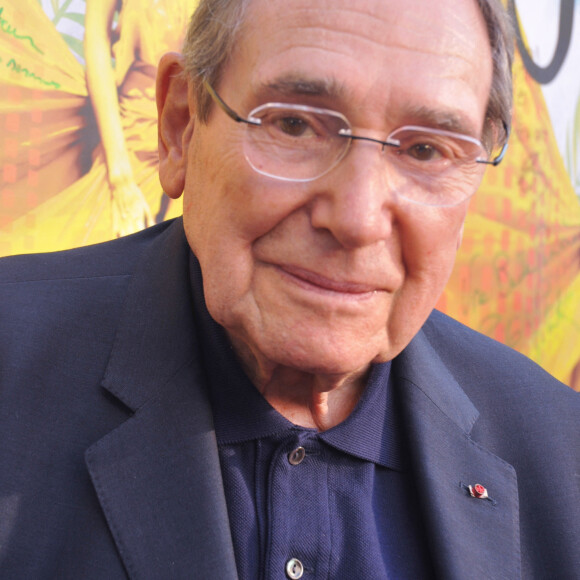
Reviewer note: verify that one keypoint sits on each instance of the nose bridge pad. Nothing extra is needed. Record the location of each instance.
(371, 142)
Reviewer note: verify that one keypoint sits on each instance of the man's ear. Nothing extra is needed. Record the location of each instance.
(175, 123)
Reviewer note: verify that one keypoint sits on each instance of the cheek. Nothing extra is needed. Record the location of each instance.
(431, 243)
(224, 196)
(213, 196)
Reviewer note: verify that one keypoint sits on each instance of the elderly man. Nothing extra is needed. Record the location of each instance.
(262, 389)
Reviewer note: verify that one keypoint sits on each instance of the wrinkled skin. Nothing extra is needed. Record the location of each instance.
(315, 281)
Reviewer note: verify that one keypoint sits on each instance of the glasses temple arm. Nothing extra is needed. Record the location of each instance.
(499, 157)
(225, 107)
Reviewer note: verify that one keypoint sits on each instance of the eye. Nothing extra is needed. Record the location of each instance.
(434, 150)
(292, 125)
(423, 152)
(425, 148)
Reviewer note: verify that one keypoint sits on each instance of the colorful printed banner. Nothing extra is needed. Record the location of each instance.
(78, 158)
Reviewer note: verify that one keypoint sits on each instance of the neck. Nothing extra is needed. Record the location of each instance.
(313, 400)
(310, 400)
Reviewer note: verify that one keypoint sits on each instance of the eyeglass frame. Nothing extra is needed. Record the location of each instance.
(255, 122)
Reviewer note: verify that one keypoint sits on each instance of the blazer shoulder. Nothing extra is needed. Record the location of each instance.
(460, 345)
(114, 258)
(495, 375)
(70, 296)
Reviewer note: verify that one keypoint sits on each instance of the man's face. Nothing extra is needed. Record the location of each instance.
(330, 275)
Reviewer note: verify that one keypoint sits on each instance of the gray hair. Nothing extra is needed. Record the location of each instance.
(501, 32)
(215, 27)
(210, 40)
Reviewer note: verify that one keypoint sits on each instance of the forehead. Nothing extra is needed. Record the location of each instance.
(379, 54)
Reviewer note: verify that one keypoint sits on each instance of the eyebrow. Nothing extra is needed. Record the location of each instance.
(295, 85)
(442, 118)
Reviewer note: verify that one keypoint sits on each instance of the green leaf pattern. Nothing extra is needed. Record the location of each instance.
(63, 13)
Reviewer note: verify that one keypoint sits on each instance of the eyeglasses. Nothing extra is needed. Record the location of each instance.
(300, 143)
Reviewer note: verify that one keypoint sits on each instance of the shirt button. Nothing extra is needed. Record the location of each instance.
(295, 457)
(294, 569)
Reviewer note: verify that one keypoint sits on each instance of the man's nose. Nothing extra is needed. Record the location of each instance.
(356, 201)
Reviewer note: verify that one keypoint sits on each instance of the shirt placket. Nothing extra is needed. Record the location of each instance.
(298, 541)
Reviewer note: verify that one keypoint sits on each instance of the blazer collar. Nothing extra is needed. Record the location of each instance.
(155, 335)
(157, 476)
(469, 537)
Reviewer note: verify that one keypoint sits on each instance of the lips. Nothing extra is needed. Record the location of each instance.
(307, 277)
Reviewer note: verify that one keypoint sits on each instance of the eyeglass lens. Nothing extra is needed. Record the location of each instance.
(299, 143)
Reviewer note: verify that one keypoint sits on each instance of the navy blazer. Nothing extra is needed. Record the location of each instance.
(108, 460)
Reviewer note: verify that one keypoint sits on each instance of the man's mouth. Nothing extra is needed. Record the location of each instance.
(313, 281)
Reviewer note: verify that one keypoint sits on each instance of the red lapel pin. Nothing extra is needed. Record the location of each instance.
(478, 491)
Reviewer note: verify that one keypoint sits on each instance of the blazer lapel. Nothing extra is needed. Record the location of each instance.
(157, 475)
(469, 537)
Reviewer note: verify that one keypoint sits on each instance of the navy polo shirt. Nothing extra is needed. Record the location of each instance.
(307, 504)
